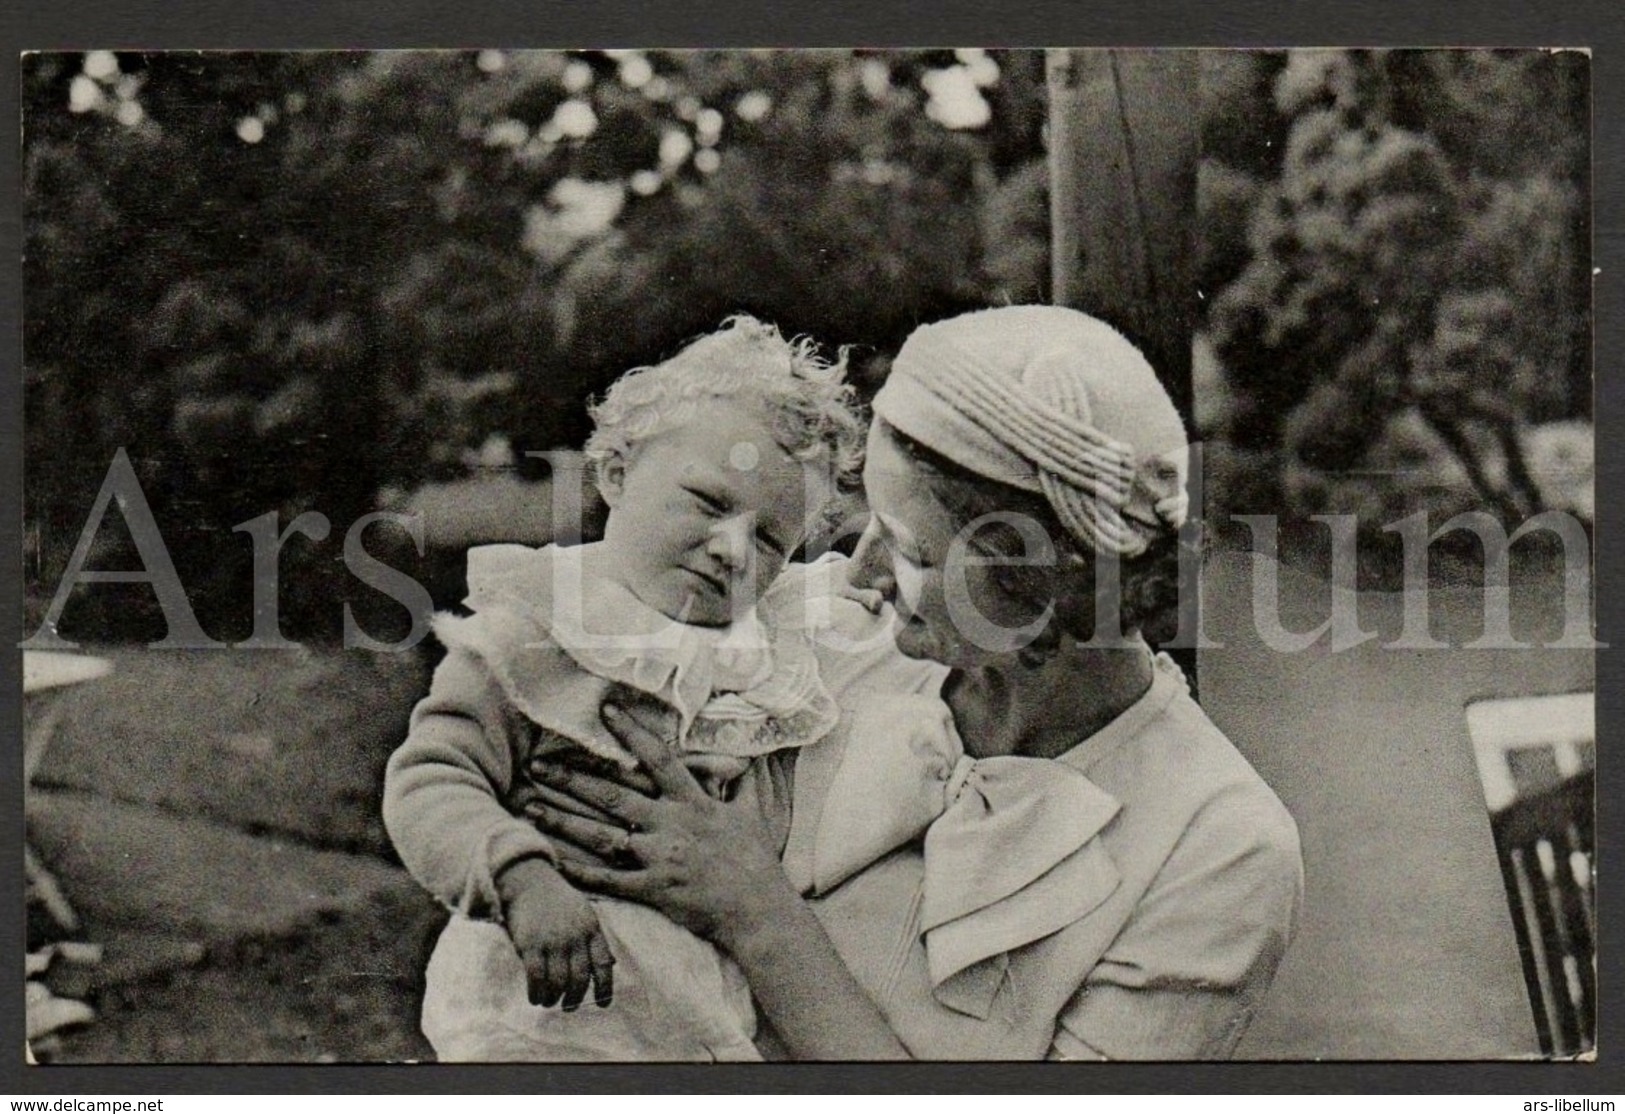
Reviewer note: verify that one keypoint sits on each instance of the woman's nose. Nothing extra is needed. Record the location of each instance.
(871, 567)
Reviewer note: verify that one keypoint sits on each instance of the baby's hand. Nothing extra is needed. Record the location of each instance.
(557, 935)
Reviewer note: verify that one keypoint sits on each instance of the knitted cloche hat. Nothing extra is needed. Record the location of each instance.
(1048, 400)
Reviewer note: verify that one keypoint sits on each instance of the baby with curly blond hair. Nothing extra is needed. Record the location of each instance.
(714, 465)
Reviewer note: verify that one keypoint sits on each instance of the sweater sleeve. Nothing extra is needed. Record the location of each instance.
(443, 790)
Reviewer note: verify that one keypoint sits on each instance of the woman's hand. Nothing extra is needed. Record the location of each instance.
(712, 868)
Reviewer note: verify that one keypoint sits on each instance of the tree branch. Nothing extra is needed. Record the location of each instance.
(1450, 431)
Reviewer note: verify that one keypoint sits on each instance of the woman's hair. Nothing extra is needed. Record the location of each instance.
(810, 409)
(1149, 583)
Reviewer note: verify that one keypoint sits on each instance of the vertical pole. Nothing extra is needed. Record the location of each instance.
(1124, 144)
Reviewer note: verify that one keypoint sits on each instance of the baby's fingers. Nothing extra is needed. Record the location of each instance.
(603, 969)
(536, 976)
(577, 974)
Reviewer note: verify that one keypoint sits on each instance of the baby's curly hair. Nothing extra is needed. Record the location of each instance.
(812, 411)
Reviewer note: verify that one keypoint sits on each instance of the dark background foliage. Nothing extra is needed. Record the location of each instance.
(289, 282)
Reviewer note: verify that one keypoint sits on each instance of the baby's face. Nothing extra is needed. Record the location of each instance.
(705, 514)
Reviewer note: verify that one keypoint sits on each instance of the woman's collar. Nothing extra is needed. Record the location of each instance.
(1167, 681)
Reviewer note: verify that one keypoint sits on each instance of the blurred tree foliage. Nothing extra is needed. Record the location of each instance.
(292, 281)
(289, 281)
(1396, 261)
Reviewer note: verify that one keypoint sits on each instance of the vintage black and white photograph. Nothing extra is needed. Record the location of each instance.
(669, 556)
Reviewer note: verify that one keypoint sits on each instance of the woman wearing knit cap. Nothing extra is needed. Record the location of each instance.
(1107, 877)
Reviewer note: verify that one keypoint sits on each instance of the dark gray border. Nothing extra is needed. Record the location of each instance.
(293, 24)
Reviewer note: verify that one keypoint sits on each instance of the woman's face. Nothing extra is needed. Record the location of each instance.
(915, 553)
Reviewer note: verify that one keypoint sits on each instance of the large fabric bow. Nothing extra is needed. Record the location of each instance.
(1010, 845)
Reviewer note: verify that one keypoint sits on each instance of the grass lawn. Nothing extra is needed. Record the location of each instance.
(214, 816)
(291, 742)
